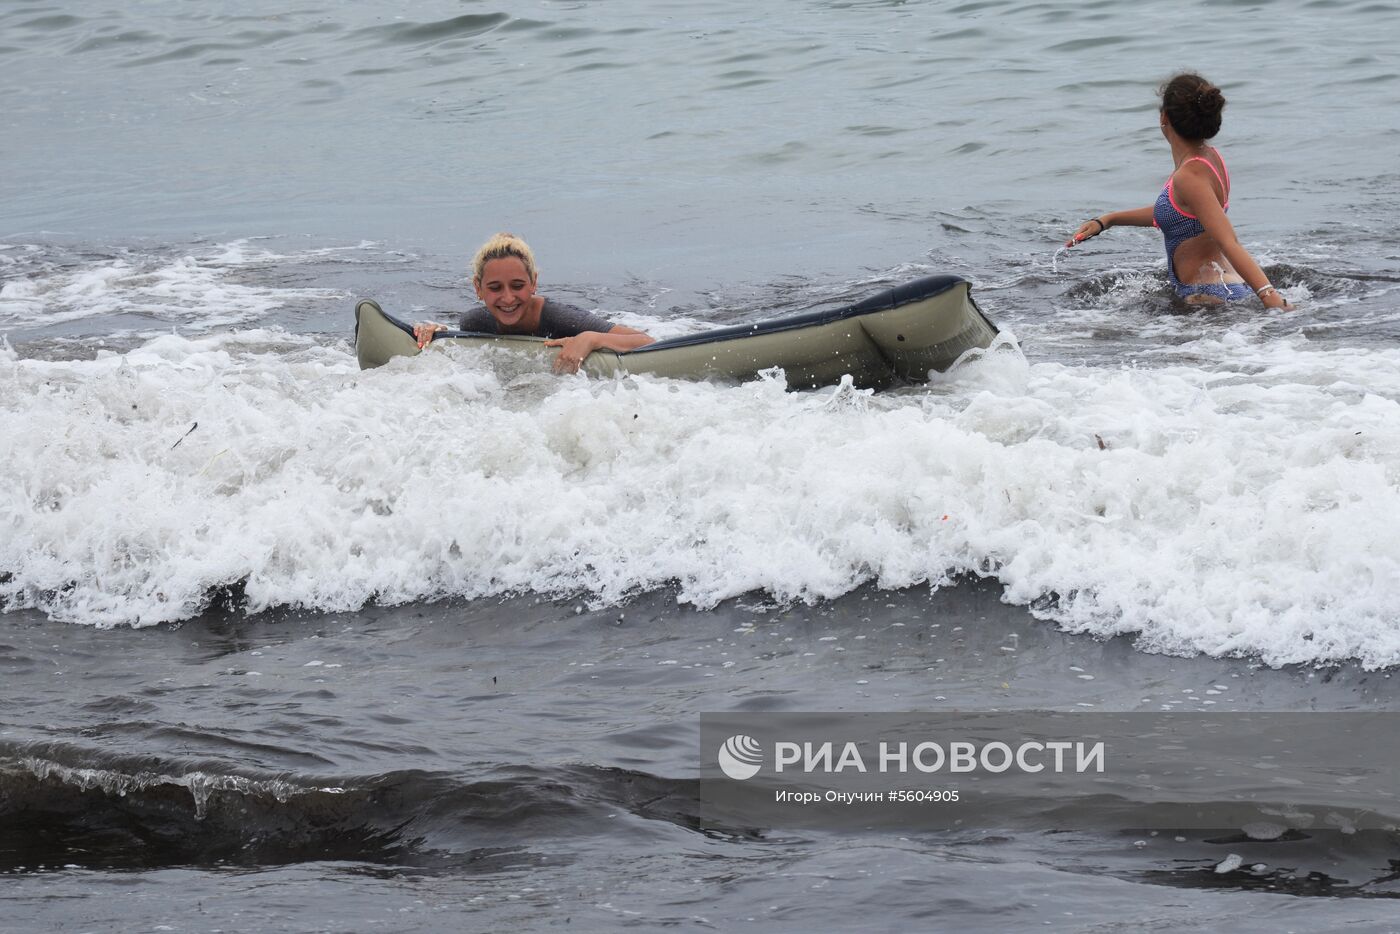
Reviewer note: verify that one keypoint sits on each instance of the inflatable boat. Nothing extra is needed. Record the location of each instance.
(900, 334)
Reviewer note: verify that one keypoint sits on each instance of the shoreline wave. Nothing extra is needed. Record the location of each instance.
(1241, 512)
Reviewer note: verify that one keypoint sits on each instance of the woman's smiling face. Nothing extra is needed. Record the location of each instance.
(507, 291)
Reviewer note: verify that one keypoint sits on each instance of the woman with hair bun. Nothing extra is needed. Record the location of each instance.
(1205, 262)
(504, 277)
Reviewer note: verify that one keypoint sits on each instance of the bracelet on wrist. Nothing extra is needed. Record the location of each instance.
(1266, 287)
(1102, 225)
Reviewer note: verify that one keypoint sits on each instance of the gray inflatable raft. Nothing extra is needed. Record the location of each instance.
(899, 334)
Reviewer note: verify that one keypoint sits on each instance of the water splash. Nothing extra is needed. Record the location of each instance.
(1276, 467)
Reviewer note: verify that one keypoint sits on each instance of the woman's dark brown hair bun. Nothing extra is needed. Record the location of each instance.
(1193, 106)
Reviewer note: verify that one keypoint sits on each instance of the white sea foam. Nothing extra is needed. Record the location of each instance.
(1238, 512)
(195, 290)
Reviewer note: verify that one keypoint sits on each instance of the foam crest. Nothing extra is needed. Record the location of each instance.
(1246, 512)
(202, 786)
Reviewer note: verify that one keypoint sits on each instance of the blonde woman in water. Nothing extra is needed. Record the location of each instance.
(504, 277)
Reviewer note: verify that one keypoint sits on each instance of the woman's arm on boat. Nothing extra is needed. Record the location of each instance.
(423, 333)
(574, 350)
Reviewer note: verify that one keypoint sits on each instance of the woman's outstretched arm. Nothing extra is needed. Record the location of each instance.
(1137, 217)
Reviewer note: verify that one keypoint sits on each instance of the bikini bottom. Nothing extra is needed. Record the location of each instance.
(1225, 291)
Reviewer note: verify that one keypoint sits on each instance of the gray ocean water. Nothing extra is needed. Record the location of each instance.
(291, 647)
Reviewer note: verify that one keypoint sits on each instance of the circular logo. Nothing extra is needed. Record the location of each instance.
(740, 757)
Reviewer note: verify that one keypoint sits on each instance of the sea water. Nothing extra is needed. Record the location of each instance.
(242, 573)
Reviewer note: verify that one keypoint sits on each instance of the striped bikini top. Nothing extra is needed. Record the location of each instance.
(1176, 225)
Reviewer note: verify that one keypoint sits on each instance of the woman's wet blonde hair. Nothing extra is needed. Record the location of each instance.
(501, 246)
